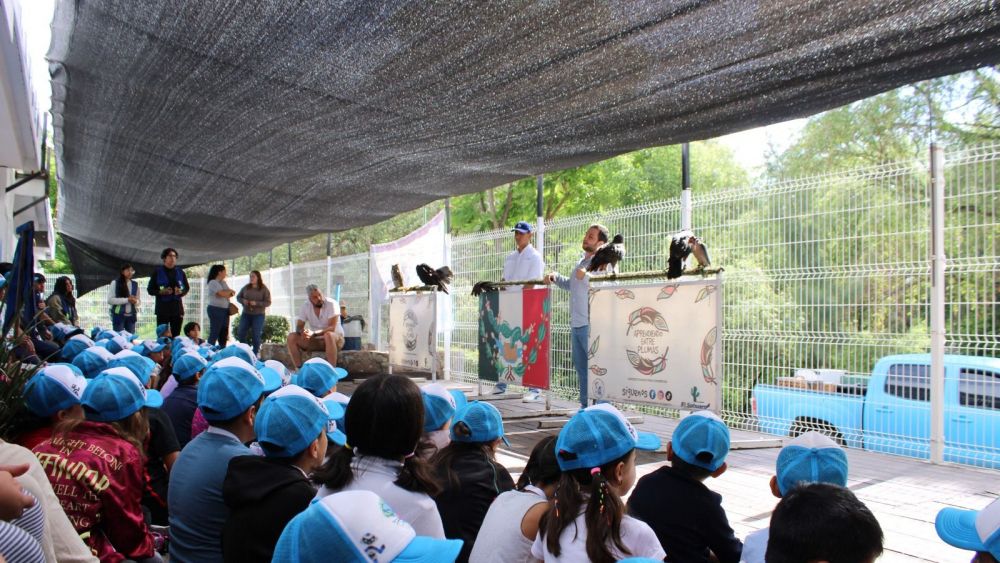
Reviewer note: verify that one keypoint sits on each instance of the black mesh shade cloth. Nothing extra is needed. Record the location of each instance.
(227, 127)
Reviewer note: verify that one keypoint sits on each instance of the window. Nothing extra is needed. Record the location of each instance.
(909, 381)
(979, 388)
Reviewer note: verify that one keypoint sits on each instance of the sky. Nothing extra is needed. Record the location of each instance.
(749, 147)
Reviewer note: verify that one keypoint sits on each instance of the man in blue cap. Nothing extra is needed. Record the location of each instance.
(524, 263)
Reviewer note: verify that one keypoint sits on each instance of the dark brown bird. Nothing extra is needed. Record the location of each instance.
(397, 276)
(439, 278)
(484, 287)
(680, 249)
(610, 253)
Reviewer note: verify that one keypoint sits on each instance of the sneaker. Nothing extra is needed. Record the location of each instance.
(532, 396)
(500, 389)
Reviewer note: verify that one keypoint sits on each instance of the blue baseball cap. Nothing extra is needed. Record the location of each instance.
(975, 530)
(522, 227)
(74, 346)
(286, 376)
(597, 435)
(237, 350)
(161, 330)
(342, 400)
(317, 376)
(188, 365)
(811, 458)
(152, 347)
(702, 439)
(271, 378)
(439, 406)
(358, 527)
(106, 334)
(290, 419)
(93, 360)
(142, 367)
(53, 388)
(95, 331)
(116, 394)
(482, 420)
(228, 390)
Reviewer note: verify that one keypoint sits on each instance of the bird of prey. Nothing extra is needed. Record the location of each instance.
(700, 252)
(680, 249)
(439, 278)
(397, 276)
(483, 287)
(610, 253)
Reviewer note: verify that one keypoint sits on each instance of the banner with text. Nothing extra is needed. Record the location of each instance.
(514, 337)
(413, 330)
(657, 344)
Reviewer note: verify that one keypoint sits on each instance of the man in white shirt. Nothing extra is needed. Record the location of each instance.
(525, 263)
(317, 327)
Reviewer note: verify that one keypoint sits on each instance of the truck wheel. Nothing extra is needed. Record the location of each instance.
(801, 426)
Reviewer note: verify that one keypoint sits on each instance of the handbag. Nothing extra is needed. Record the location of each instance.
(233, 309)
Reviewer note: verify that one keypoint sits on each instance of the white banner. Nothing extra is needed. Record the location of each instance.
(413, 331)
(426, 245)
(657, 344)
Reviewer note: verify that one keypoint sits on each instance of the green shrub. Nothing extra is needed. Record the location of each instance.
(276, 328)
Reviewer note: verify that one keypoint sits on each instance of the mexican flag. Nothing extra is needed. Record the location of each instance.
(514, 337)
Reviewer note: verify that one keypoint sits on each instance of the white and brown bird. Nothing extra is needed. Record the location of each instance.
(397, 276)
(682, 245)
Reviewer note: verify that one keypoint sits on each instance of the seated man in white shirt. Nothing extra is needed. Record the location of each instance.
(524, 263)
(317, 327)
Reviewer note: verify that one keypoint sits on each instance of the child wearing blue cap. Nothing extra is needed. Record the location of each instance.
(264, 493)
(808, 458)
(512, 519)
(228, 397)
(823, 522)
(358, 527)
(697, 451)
(440, 406)
(180, 405)
(469, 474)
(383, 423)
(587, 520)
(52, 395)
(95, 467)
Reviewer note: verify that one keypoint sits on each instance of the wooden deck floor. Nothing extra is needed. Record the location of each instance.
(904, 494)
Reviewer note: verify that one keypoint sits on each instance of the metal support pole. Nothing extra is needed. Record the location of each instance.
(685, 187)
(446, 367)
(938, 264)
(540, 213)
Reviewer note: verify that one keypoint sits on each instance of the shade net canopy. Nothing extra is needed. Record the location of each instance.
(227, 127)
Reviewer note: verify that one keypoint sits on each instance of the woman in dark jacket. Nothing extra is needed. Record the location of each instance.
(470, 474)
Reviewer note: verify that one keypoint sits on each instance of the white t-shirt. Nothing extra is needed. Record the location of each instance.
(755, 546)
(378, 476)
(636, 535)
(524, 265)
(313, 321)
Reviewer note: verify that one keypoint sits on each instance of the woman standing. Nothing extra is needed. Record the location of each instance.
(123, 296)
(218, 305)
(255, 299)
(61, 305)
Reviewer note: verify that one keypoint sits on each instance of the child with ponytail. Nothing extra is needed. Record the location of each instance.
(587, 520)
(384, 422)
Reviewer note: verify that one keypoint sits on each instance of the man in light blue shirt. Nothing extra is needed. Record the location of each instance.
(578, 285)
(228, 396)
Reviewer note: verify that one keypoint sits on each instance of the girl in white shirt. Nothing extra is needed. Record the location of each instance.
(587, 520)
(384, 422)
(511, 523)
